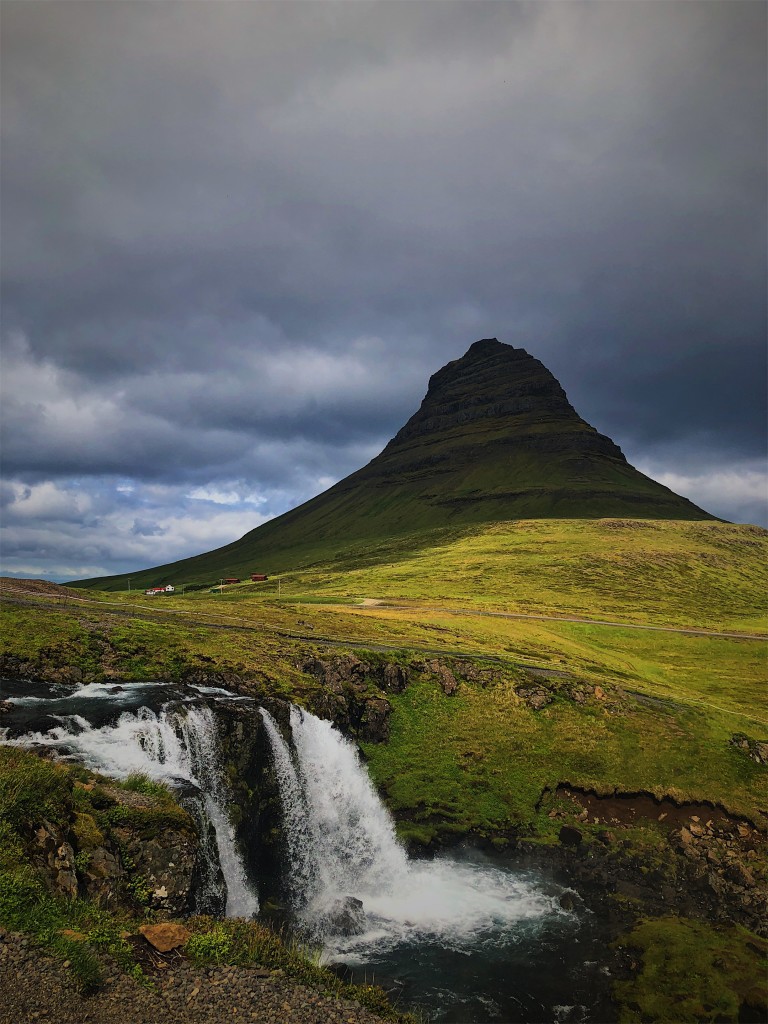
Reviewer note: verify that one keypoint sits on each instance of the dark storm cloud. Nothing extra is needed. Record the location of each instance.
(238, 238)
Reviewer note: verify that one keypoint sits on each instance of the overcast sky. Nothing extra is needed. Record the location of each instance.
(237, 239)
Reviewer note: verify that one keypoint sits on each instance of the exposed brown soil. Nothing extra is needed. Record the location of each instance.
(636, 808)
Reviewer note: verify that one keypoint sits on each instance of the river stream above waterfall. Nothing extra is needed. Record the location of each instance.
(464, 936)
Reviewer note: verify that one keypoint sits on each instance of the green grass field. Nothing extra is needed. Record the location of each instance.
(676, 699)
(711, 575)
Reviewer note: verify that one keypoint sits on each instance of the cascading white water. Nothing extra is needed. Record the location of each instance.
(199, 731)
(302, 865)
(353, 833)
(177, 744)
(342, 843)
(462, 934)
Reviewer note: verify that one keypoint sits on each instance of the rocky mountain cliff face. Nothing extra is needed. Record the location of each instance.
(504, 388)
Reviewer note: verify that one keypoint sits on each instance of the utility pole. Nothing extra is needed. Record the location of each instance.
(279, 581)
(221, 587)
(129, 584)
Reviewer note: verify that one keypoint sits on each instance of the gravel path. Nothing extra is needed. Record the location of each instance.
(35, 987)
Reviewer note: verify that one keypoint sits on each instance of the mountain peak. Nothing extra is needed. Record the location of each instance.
(494, 439)
(485, 346)
(509, 396)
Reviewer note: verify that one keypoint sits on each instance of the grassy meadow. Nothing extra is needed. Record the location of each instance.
(687, 574)
(673, 700)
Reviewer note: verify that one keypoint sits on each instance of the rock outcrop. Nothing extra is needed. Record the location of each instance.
(756, 750)
(141, 863)
(351, 693)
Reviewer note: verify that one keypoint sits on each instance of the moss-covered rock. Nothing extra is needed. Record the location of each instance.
(690, 971)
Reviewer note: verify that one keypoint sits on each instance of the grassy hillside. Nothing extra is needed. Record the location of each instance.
(670, 573)
(635, 737)
(494, 440)
(710, 575)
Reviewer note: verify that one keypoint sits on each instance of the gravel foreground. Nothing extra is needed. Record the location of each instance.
(36, 987)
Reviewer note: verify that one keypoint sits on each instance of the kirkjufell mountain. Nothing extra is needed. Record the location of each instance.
(495, 439)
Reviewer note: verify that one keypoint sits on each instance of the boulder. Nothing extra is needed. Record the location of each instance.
(535, 697)
(166, 936)
(570, 836)
(167, 863)
(345, 917)
(568, 900)
(103, 864)
(65, 877)
(446, 680)
(757, 750)
(395, 678)
(374, 722)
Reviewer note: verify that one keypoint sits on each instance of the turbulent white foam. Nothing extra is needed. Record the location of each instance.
(458, 905)
(214, 691)
(342, 842)
(176, 744)
(139, 741)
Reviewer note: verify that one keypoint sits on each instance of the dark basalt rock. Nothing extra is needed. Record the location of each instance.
(103, 867)
(350, 694)
(496, 382)
(166, 863)
(345, 917)
(570, 836)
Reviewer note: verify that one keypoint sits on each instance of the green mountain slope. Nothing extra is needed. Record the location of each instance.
(495, 439)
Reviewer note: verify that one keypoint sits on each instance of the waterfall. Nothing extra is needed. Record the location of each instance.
(353, 833)
(198, 729)
(341, 843)
(463, 933)
(302, 866)
(340, 837)
(178, 744)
